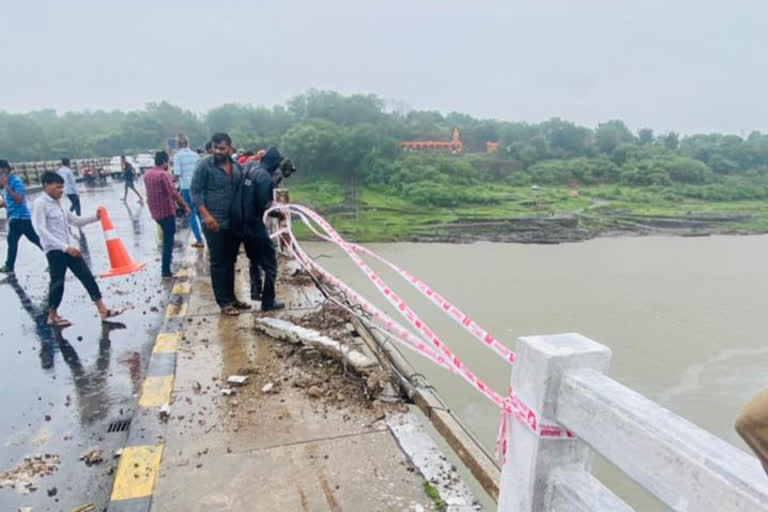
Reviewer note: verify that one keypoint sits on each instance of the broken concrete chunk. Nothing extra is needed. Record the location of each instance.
(227, 391)
(315, 392)
(268, 387)
(92, 457)
(237, 379)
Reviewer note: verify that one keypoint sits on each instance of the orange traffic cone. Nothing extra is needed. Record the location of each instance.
(118, 257)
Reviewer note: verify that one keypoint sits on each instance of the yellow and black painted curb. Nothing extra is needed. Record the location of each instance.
(139, 463)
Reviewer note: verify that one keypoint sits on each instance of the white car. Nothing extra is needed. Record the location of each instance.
(115, 168)
(145, 161)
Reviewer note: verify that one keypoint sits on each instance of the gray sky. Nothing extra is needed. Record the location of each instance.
(684, 65)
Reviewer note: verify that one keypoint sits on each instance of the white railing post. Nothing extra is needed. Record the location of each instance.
(541, 360)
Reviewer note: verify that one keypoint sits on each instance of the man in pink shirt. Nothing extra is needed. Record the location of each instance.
(161, 198)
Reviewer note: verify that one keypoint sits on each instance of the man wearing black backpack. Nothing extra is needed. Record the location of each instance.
(255, 195)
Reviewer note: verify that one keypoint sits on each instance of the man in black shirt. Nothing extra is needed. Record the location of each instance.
(256, 194)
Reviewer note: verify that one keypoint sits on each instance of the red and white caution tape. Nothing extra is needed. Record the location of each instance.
(439, 352)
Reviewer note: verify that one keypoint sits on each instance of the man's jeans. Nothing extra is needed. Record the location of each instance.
(194, 217)
(168, 226)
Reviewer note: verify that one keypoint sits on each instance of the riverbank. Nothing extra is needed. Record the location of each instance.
(315, 424)
(532, 215)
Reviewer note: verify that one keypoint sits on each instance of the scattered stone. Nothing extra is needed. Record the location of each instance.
(118, 453)
(227, 391)
(197, 387)
(340, 397)
(315, 392)
(21, 477)
(268, 388)
(52, 492)
(238, 380)
(47, 417)
(92, 457)
(165, 412)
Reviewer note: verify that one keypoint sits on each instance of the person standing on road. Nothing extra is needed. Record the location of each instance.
(213, 188)
(70, 185)
(161, 198)
(62, 249)
(184, 164)
(129, 174)
(19, 218)
(255, 195)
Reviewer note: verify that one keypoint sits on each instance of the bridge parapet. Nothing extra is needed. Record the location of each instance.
(30, 172)
(685, 467)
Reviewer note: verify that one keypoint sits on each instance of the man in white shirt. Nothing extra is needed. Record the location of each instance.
(52, 224)
(184, 164)
(70, 185)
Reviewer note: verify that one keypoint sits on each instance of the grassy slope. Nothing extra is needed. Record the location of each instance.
(386, 217)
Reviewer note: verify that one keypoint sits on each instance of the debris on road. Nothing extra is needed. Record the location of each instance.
(268, 387)
(237, 379)
(227, 391)
(165, 413)
(31, 468)
(92, 457)
(85, 508)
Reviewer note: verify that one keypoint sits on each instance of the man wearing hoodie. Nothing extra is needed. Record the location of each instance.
(255, 196)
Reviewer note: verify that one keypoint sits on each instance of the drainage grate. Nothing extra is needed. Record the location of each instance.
(118, 426)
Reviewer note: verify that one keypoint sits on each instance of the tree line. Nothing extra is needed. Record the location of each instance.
(333, 136)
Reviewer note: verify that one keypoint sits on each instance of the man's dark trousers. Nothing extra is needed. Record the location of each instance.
(17, 228)
(222, 252)
(261, 253)
(168, 226)
(74, 206)
(58, 263)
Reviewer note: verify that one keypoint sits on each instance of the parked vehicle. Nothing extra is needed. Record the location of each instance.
(115, 168)
(145, 161)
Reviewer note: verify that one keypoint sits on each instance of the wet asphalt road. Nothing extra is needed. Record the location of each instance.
(61, 390)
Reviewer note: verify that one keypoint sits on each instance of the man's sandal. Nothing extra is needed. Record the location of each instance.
(59, 322)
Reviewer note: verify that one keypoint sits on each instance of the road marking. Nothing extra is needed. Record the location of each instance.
(136, 472)
(167, 342)
(176, 310)
(156, 391)
(182, 288)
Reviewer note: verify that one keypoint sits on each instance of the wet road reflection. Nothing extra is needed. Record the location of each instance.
(62, 388)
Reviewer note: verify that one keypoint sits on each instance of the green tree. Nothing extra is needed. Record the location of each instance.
(610, 134)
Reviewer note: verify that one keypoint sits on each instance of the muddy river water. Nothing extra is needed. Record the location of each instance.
(684, 318)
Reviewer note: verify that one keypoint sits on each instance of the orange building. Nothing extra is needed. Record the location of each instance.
(454, 146)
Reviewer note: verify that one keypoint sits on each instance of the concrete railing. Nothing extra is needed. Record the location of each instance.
(30, 172)
(684, 466)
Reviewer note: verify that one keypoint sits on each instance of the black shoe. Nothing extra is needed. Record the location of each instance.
(241, 305)
(272, 307)
(4, 269)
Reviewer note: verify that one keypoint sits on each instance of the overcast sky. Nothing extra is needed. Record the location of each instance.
(684, 65)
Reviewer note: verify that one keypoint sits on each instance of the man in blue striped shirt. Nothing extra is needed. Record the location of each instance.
(184, 163)
(19, 218)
